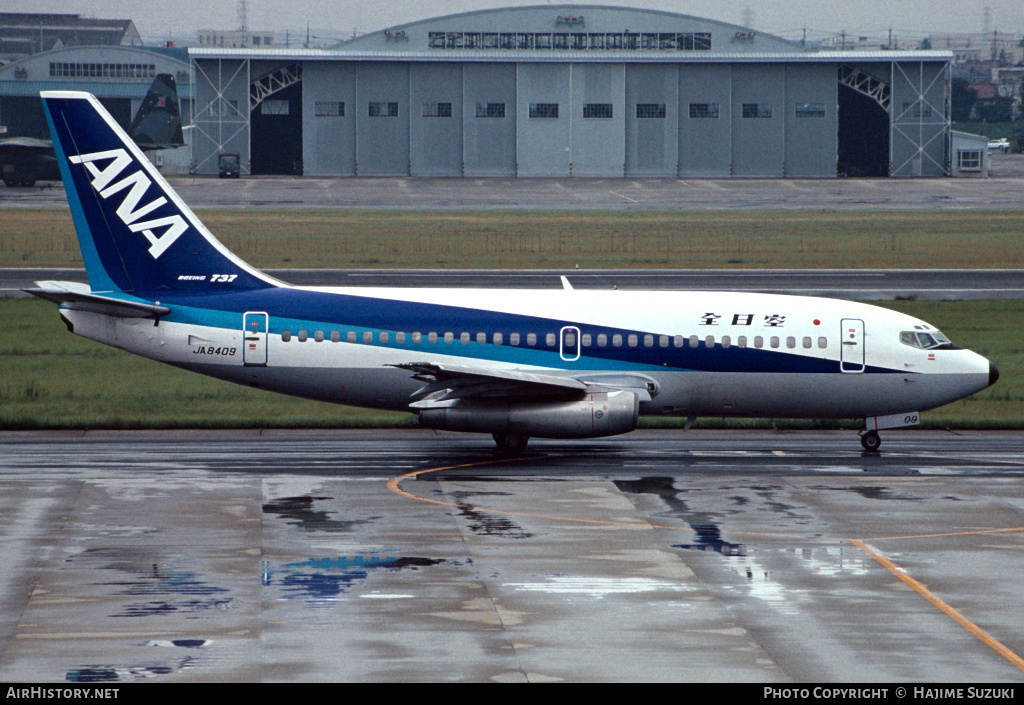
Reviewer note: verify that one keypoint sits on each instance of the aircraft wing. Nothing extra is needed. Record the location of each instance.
(25, 147)
(447, 382)
(79, 297)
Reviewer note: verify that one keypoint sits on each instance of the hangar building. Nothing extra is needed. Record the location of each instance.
(559, 90)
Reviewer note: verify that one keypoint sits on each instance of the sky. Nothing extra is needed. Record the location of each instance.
(161, 20)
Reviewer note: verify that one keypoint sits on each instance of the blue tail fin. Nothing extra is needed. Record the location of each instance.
(136, 234)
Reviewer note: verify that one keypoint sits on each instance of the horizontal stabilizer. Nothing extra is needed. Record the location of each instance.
(79, 297)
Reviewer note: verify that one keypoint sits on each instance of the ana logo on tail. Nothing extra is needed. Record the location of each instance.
(129, 211)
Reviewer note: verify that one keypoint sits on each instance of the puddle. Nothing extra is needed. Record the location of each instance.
(299, 512)
(488, 523)
(322, 581)
(127, 674)
(872, 492)
(175, 590)
(597, 588)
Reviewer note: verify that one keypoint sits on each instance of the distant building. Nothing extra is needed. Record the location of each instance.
(564, 90)
(25, 33)
(235, 39)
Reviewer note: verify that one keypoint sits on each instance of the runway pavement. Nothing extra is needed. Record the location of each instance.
(723, 556)
(1001, 190)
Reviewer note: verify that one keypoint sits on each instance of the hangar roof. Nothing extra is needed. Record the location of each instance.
(561, 33)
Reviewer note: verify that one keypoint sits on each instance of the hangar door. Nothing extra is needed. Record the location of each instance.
(863, 123)
(276, 133)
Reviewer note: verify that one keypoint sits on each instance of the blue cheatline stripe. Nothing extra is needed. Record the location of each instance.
(296, 310)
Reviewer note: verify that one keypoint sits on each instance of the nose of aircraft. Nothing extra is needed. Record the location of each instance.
(993, 374)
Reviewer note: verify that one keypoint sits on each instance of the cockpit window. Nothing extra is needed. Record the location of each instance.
(925, 341)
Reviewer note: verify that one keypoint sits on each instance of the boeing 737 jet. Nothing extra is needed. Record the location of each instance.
(558, 363)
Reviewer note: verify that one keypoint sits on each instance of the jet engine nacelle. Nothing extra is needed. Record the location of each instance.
(599, 414)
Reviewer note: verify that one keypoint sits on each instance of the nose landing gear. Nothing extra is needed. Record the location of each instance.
(870, 440)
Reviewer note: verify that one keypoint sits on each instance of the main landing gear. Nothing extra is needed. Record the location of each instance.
(511, 444)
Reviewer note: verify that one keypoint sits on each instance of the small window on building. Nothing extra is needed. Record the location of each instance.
(490, 110)
(379, 109)
(597, 110)
(329, 108)
(544, 110)
(704, 110)
(650, 110)
(810, 110)
(917, 109)
(437, 110)
(968, 159)
(757, 110)
(275, 107)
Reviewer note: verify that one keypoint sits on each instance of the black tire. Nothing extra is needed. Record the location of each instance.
(871, 441)
(511, 444)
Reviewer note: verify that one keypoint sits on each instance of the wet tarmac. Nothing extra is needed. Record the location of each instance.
(418, 556)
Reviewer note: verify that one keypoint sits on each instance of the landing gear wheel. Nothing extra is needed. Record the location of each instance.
(870, 440)
(511, 443)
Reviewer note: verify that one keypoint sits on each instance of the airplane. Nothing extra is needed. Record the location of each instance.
(552, 363)
(157, 125)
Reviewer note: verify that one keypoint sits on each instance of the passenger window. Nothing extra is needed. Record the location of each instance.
(481, 339)
(417, 338)
(303, 336)
(570, 340)
(758, 341)
(432, 337)
(602, 340)
(742, 341)
(586, 340)
(367, 336)
(617, 340)
(775, 341)
(807, 342)
(383, 337)
(498, 338)
(822, 342)
(648, 341)
(693, 341)
(790, 342)
(550, 339)
(286, 335)
(449, 338)
(400, 338)
(663, 341)
(318, 336)
(335, 336)
(351, 337)
(677, 341)
(513, 339)
(464, 338)
(726, 341)
(709, 342)
(632, 340)
(531, 338)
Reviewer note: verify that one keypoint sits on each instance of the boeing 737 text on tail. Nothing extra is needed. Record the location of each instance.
(557, 363)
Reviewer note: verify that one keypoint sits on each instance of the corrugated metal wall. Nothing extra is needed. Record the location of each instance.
(715, 119)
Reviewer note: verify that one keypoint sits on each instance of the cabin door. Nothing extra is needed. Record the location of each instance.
(851, 345)
(254, 333)
(569, 343)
